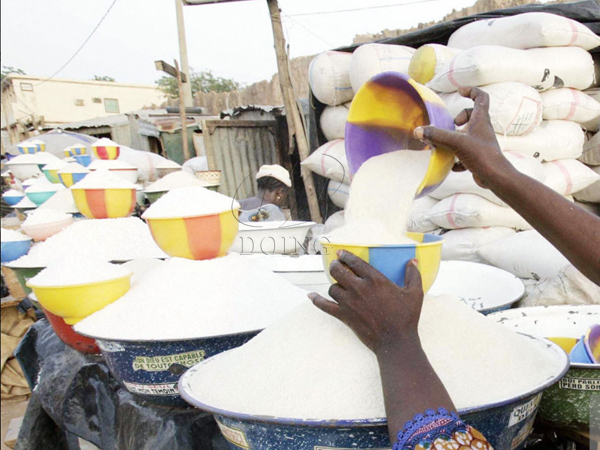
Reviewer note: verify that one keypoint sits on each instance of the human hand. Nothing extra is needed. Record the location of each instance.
(378, 311)
(475, 145)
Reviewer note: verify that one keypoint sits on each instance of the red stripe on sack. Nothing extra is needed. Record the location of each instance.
(96, 203)
(325, 150)
(566, 175)
(574, 104)
(451, 76)
(574, 30)
(204, 236)
(449, 213)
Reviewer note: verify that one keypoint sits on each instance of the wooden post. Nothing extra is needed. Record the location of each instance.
(184, 137)
(292, 113)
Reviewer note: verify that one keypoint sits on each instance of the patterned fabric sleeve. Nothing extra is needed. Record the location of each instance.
(441, 430)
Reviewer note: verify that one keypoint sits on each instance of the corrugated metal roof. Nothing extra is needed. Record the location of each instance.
(107, 121)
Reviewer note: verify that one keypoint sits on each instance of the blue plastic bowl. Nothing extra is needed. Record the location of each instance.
(39, 197)
(14, 250)
(12, 200)
(84, 160)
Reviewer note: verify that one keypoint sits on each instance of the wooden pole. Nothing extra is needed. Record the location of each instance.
(292, 113)
(184, 137)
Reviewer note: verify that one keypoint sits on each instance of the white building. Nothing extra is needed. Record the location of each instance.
(29, 102)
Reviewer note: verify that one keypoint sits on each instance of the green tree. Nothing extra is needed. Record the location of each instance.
(204, 81)
(6, 70)
(103, 78)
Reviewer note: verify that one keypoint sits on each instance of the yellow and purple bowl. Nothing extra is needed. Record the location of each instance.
(106, 151)
(105, 203)
(68, 179)
(391, 260)
(197, 237)
(383, 115)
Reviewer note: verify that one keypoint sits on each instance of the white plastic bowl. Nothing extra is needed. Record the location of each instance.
(42, 231)
(269, 238)
(484, 288)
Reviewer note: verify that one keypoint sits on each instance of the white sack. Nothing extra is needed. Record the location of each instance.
(428, 60)
(568, 287)
(329, 77)
(526, 255)
(462, 245)
(418, 221)
(528, 30)
(333, 121)
(540, 68)
(515, 108)
(369, 60)
(568, 176)
(473, 211)
(338, 193)
(592, 192)
(552, 140)
(463, 182)
(571, 104)
(146, 162)
(329, 161)
(195, 164)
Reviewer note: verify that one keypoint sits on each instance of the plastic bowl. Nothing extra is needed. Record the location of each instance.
(382, 117)
(75, 302)
(68, 179)
(275, 433)
(28, 149)
(66, 334)
(566, 404)
(52, 175)
(276, 237)
(84, 160)
(484, 288)
(42, 231)
(391, 259)
(105, 203)
(39, 197)
(198, 237)
(75, 150)
(12, 200)
(106, 152)
(14, 250)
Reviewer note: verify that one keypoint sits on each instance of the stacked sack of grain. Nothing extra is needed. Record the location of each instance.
(539, 74)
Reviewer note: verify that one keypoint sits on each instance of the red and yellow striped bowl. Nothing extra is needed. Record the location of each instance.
(104, 203)
(391, 259)
(199, 237)
(106, 151)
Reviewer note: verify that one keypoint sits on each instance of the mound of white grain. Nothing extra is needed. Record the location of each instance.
(38, 216)
(174, 180)
(185, 299)
(73, 168)
(9, 235)
(25, 203)
(44, 186)
(56, 165)
(188, 202)
(110, 164)
(381, 197)
(311, 365)
(78, 271)
(13, 193)
(98, 239)
(105, 142)
(103, 179)
(61, 201)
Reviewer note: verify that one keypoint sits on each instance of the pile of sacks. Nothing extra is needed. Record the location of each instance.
(545, 108)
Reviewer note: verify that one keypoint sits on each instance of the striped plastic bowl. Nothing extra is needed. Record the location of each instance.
(68, 179)
(391, 259)
(28, 149)
(106, 152)
(75, 150)
(199, 237)
(104, 203)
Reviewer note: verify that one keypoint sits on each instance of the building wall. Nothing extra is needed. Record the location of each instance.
(62, 101)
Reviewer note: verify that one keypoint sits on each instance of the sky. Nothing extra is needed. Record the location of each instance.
(234, 40)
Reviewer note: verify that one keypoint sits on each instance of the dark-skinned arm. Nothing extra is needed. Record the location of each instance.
(385, 318)
(572, 230)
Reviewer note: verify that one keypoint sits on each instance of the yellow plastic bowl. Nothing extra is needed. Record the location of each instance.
(75, 302)
(199, 237)
(104, 203)
(391, 259)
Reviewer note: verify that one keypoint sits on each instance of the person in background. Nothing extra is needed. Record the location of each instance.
(273, 183)
(385, 317)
